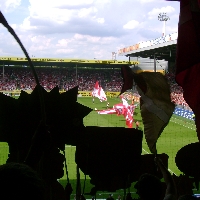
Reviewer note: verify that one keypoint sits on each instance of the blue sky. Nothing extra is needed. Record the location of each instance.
(83, 29)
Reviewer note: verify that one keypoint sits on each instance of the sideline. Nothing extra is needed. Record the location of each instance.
(173, 118)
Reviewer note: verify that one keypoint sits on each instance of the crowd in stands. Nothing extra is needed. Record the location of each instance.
(66, 78)
(176, 92)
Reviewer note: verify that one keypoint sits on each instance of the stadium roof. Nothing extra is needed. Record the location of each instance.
(162, 48)
(63, 62)
(166, 52)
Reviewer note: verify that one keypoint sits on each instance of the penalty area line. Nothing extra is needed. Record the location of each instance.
(149, 153)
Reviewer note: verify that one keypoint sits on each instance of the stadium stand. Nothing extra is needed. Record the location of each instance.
(176, 92)
(22, 79)
(15, 78)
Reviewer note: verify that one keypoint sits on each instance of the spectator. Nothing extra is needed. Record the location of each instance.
(150, 187)
(171, 192)
(18, 181)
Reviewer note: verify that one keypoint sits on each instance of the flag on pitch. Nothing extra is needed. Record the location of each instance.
(122, 109)
(188, 56)
(129, 119)
(128, 113)
(155, 102)
(108, 111)
(99, 92)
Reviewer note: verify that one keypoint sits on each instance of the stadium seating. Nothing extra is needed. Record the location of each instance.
(21, 78)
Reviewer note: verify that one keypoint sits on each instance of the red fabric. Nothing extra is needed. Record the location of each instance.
(99, 91)
(188, 57)
(96, 85)
(129, 119)
(120, 109)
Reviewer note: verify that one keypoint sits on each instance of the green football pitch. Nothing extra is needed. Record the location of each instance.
(177, 134)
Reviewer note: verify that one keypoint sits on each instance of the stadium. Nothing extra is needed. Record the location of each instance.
(15, 76)
(89, 129)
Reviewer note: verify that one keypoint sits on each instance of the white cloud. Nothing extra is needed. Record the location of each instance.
(38, 43)
(85, 12)
(61, 10)
(14, 26)
(147, 1)
(131, 24)
(100, 20)
(60, 3)
(62, 43)
(50, 12)
(26, 25)
(12, 3)
(64, 51)
(93, 39)
(83, 28)
(9, 5)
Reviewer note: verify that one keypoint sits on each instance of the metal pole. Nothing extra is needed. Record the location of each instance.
(164, 28)
(154, 62)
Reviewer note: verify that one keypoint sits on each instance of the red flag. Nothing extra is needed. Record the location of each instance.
(108, 111)
(99, 92)
(129, 119)
(96, 86)
(121, 109)
(188, 56)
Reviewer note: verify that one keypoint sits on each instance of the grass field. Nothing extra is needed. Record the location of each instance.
(177, 134)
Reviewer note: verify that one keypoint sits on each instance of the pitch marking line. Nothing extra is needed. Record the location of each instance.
(182, 124)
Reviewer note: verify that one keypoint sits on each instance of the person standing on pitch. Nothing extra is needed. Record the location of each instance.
(107, 105)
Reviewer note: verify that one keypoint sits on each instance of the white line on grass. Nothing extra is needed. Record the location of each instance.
(149, 153)
(188, 122)
(145, 151)
(182, 124)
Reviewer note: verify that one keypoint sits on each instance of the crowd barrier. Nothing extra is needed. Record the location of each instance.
(184, 113)
(89, 94)
(80, 93)
(84, 94)
(112, 94)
